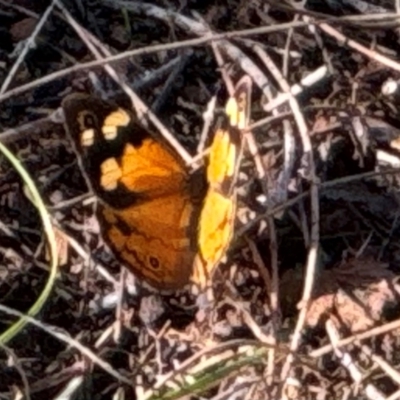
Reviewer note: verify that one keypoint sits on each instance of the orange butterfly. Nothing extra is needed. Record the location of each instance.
(160, 220)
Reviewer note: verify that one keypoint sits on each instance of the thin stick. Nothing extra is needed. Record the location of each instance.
(146, 50)
(379, 330)
(64, 338)
(141, 108)
(308, 161)
(30, 43)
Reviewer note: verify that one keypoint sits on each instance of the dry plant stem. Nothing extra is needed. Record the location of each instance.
(30, 43)
(271, 339)
(304, 226)
(261, 266)
(372, 225)
(384, 365)
(146, 50)
(269, 120)
(274, 295)
(71, 387)
(225, 76)
(141, 108)
(204, 356)
(184, 43)
(274, 284)
(157, 343)
(251, 392)
(154, 76)
(208, 117)
(243, 391)
(385, 19)
(283, 181)
(251, 143)
(373, 55)
(12, 134)
(394, 396)
(20, 9)
(58, 378)
(87, 258)
(288, 134)
(146, 355)
(274, 290)
(345, 359)
(319, 41)
(325, 185)
(252, 325)
(118, 309)
(170, 81)
(198, 29)
(296, 89)
(360, 251)
(54, 331)
(106, 334)
(379, 330)
(17, 365)
(266, 183)
(383, 157)
(389, 237)
(286, 52)
(85, 199)
(314, 239)
(158, 336)
(8, 232)
(158, 74)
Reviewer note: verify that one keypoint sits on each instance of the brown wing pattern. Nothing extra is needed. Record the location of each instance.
(146, 211)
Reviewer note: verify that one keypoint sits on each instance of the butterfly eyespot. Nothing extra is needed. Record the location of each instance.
(86, 120)
(154, 262)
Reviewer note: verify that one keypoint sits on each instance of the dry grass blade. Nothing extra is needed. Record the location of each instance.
(11, 332)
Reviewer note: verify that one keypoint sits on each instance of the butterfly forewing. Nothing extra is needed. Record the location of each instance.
(217, 217)
(146, 211)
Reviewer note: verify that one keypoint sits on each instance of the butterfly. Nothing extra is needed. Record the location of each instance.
(167, 225)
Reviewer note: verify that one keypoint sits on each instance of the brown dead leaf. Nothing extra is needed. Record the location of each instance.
(151, 308)
(351, 313)
(21, 30)
(321, 123)
(353, 294)
(62, 247)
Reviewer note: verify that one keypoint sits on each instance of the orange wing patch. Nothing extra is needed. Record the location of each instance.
(154, 235)
(217, 218)
(146, 212)
(153, 239)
